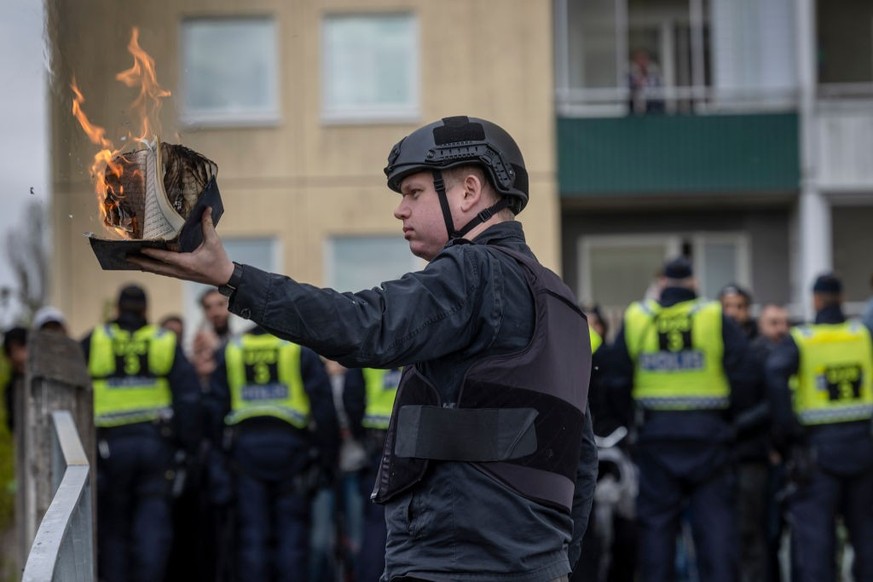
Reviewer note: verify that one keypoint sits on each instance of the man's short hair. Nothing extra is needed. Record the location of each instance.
(734, 289)
(14, 336)
(206, 293)
(172, 318)
(132, 299)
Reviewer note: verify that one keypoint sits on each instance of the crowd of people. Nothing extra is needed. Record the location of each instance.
(245, 456)
(470, 406)
(744, 433)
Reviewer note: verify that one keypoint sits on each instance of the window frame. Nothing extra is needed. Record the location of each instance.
(191, 291)
(331, 267)
(672, 243)
(268, 117)
(362, 115)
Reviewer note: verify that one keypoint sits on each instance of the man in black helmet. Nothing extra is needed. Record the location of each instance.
(489, 459)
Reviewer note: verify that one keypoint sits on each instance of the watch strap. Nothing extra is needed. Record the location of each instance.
(230, 287)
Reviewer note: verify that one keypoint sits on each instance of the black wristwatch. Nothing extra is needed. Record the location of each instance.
(229, 288)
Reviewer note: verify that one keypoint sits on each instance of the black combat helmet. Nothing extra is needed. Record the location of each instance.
(456, 141)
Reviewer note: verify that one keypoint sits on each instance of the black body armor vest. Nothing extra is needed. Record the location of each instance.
(519, 415)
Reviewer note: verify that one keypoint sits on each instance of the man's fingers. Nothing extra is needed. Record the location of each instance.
(209, 234)
(159, 254)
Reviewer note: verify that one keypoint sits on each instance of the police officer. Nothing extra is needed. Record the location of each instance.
(489, 463)
(821, 386)
(680, 359)
(145, 408)
(281, 434)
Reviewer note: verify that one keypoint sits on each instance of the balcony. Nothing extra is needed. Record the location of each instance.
(691, 155)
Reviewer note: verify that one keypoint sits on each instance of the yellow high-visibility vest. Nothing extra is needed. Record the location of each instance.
(263, 373)
(381, 388)
(596, 340)
(129, 374)
(835, 376)
(678, 355)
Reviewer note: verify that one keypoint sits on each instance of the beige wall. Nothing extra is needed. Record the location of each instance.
(300, 180)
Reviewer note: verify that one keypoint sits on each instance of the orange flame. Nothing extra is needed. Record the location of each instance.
(108, 161)
(142, 73)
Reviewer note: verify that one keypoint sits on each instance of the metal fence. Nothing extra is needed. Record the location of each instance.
(63, 549)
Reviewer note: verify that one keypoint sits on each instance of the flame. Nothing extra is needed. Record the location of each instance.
(148, 104)
(107, 169)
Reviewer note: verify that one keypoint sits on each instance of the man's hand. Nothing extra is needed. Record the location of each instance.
(208, 263)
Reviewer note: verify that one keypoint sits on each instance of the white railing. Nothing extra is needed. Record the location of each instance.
(63, 549)
(613, 101)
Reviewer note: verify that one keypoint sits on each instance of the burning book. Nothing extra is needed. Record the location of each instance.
(154, 194)
(155, 197)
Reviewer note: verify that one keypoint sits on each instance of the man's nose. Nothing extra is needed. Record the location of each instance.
(401, 211)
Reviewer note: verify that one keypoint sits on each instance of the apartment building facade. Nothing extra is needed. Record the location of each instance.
(752, 156)
(298, 103)
(755, 158)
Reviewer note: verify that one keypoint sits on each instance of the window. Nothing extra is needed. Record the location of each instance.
(257, 252)
(719, 260)
(845, 49)
(616, 270)
(370, 68)
(615, 57)
(355, 263)
(229, 71)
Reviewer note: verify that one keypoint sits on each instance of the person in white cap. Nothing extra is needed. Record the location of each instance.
(50, 318)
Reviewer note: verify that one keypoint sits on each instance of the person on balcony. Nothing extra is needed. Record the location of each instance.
(644, 82)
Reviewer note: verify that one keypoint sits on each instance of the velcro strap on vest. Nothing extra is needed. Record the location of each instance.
(465, 434)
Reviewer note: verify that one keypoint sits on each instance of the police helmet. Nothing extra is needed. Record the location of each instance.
(461, 140)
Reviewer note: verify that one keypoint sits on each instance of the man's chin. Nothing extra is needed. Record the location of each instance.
(420, 252)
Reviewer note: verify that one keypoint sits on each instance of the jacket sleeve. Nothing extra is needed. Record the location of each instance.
(355, 401)
(743, 372)
(218, 400)
(421, 316)
(187, 412)
(781, 365)
(618, 380)
(85, 342)
(586, 479)
(318, 388)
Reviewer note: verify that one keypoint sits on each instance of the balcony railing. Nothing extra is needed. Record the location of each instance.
(702, 100)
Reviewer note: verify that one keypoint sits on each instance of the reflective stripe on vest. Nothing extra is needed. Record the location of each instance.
(129, 374)
(263, 373)
(678, 355)
(835, 375)
(381, 388)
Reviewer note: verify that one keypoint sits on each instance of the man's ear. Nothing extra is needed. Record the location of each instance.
(473, 190)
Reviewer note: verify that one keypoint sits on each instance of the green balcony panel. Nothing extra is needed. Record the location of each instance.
(678, 154)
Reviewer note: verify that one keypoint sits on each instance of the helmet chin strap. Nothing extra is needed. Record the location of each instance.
(440, 187)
